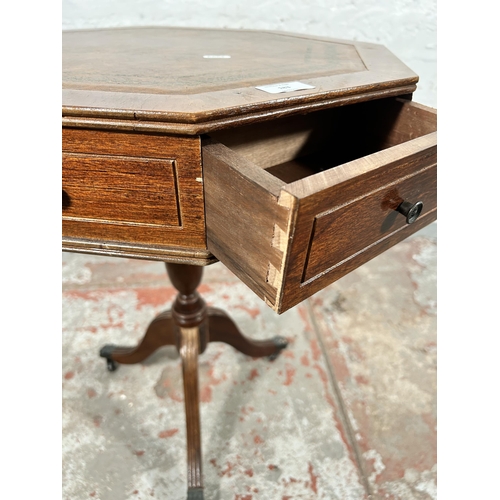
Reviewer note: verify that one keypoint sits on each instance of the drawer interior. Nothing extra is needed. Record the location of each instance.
(295, 148)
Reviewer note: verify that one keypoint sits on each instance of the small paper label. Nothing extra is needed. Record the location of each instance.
(216, 57)
(278, 88)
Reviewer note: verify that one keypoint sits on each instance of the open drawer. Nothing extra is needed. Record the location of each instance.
(296, 203)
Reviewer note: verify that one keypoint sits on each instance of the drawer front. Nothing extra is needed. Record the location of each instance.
(120, 189)
(133, 194)
(332, 239)
(345, 231)
(292, 227)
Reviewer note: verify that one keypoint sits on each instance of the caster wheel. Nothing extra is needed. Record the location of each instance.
(280, 343)
(105, 353)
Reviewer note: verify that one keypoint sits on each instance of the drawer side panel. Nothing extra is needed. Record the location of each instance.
(247, 227)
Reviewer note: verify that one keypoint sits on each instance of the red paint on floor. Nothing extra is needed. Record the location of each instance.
(290, 372)
(228, 470)
(316, 353)
(253, 312)
(305, 359)
(209, 380)
(314, 478)
(167, 433)
(324, 379)
(154, 297)
(204, 288)
(90, 295)
(361, 379)
(305, 317)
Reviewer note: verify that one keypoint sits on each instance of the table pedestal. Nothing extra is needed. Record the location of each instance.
(190, 325)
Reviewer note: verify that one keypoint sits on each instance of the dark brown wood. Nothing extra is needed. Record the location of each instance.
(330, 206)
(189, 309)
(176, 255)
(260, 116)
(189, 349)
(368, 219)
(120, 189)
(223, 329)
(353, 207)
(159, 333)
(158, 78)
(124, 190)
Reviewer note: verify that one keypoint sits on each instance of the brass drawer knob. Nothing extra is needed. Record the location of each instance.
(410, 210)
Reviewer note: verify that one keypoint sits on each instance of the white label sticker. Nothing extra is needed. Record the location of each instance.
(216, 57)
(277, 88)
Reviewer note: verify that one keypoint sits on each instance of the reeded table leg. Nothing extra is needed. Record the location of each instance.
(189, 354)
(190, 325)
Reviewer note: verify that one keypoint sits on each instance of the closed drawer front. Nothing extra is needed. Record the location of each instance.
(120, 189)
(293, 207)
(133, 194)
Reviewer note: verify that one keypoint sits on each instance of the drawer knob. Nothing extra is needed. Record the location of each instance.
(410, 210)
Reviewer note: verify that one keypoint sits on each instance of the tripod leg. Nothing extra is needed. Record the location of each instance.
(160, 332)
(223, 329)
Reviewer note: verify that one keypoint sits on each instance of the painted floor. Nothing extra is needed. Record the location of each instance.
(346, 412)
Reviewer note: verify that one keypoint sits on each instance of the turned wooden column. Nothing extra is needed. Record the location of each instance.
(189, 313)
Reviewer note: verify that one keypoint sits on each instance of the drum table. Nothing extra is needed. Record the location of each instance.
(291, 159)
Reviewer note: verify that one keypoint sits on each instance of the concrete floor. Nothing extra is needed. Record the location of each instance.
(347, 411)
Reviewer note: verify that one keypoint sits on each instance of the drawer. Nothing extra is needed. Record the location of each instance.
(133, 194)
(120, 189)
(295, 204)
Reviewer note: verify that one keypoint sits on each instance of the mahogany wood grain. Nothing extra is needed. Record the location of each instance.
(121, 189)
(242, 210)
(353, 206)
(159, 333)
(344, 231)
(188, 349)
(223, 329)
(176, 255)
(335, 213)
(158, 78)
(133, 189)
(257, 115)
(189, 309)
